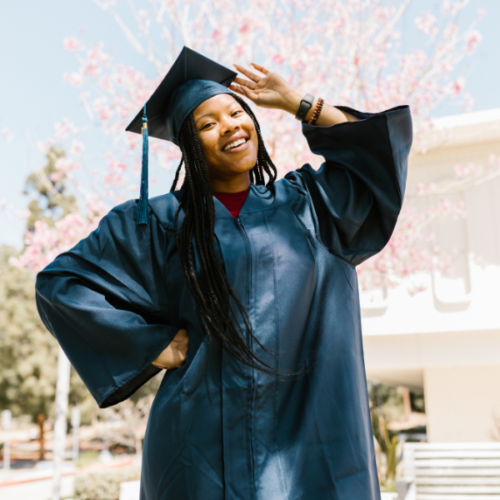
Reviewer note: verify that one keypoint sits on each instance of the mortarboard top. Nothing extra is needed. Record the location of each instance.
(165, 123)
(192, 79)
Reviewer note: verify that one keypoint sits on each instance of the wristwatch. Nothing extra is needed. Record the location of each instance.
(304, 107)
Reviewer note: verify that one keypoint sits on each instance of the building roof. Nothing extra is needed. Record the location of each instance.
(476, 127)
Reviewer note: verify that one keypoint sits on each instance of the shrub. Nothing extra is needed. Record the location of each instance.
(103, 485)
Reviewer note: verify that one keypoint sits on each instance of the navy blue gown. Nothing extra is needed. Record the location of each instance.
(219, 430)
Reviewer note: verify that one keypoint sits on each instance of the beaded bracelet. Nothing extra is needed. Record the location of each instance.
(317, 111)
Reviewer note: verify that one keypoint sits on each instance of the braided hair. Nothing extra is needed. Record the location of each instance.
(215, 299)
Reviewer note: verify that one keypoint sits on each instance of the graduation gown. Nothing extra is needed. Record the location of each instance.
(220, 430)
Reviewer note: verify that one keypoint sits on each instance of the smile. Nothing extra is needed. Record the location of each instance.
(235, 146)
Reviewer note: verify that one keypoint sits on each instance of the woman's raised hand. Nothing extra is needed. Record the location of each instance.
(174, 355)
(267, 91)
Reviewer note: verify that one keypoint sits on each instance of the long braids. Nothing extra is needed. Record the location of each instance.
(215, 299)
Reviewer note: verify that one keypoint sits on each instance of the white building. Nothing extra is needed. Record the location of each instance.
(446, 340)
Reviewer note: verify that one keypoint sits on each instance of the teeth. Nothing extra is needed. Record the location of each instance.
(234, 144)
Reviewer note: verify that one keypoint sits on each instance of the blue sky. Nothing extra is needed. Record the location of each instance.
(34, 96)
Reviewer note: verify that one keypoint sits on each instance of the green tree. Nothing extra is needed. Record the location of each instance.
(28, 352)
(47, 187)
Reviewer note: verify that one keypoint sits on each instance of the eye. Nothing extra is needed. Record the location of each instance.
(205, 126)
(237, 111)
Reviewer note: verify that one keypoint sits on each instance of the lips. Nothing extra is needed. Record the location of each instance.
(234, 139)
(237, 149)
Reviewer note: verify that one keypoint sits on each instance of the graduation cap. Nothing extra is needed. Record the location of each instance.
(192, 79)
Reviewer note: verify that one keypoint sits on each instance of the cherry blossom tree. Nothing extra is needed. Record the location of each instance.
(348, 51)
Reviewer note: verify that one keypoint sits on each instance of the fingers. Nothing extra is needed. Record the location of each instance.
(260, 68)
(245, 92)
(246, 83)
(175, 354)
(238, 90)
(255, 78)
(158, 365)
(181, 333)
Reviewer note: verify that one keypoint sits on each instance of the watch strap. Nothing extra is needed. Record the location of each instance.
(304, 107)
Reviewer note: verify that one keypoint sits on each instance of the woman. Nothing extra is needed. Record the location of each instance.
(256, 316)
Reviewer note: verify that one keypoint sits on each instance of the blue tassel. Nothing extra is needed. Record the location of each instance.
(143, 200)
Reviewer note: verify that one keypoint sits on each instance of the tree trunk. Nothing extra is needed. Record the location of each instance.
(62, 391)
(41, 435)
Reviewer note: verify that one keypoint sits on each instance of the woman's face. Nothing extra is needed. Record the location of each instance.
(221, 121)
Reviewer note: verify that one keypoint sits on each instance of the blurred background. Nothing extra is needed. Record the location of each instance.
(73, 76)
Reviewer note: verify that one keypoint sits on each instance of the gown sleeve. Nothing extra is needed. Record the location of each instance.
(105, 301)
(358, 192)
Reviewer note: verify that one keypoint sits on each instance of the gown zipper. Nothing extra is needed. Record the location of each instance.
(238, 220)
(250, 270)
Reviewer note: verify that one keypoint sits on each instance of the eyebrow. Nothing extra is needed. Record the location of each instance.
(213, 114)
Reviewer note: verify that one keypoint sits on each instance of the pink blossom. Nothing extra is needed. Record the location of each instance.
(355, 64)
(217, 35)
(459, 210)
(450, 32)
(116, 166)
(95, 207)
(65, 165)
(278, 59)
(75, 79)
(472, 40)
(56, 176)
(240, 50)
(77, 148)
(72, 44)
(95, 52)
(46, 242)
(43, 146)
(444, 208)
(91, 68)
(63, 128)
(113, 179)
(7, 133)
(342, 62)
(427, 24)
(494, 160)
(457, 87)
(451, 8)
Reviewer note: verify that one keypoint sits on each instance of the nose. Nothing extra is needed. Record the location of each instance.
(229, 124)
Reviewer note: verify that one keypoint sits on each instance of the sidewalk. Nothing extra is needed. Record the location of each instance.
(37, 490)
(37, 484)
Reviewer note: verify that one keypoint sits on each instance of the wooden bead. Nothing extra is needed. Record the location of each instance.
(317, 111)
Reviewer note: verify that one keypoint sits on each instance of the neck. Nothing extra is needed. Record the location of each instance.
(235, 184)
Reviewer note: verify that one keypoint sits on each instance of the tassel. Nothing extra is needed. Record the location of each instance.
(143, 200)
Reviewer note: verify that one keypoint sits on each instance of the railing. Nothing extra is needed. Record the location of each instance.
(450, 471)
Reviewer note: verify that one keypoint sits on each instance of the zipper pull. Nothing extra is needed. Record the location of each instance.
(238, 220)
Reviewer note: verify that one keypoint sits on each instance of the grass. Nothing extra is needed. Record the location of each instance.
(87, 457)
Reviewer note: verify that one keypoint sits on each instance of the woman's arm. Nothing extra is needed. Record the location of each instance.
(273, 91)
(106, 302)
(330, 115)
(358, 192)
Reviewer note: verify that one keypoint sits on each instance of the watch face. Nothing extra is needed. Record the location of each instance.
(304, 106)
